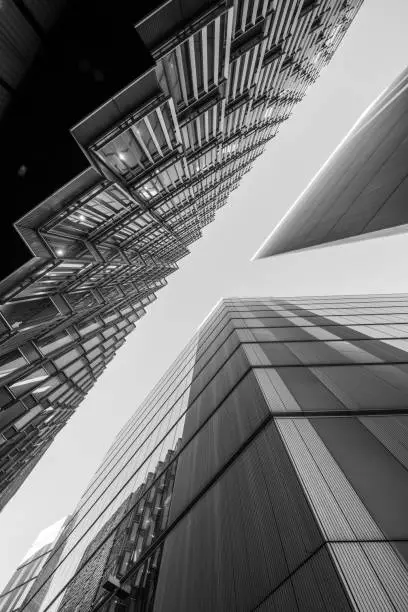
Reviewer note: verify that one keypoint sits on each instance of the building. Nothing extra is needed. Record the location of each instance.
(106, 190)
(31, 571)
(362, 189)
(273, 460)
(122, 539)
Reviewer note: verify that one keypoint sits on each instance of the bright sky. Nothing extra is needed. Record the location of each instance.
(373, 53)
(46, 536)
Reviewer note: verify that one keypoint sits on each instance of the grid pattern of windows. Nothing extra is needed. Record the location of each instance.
(165, 155)
(24, 580)
(274, 448)
(48, 375)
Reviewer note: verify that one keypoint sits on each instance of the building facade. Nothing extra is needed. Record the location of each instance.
(362, 189)
(131, 530)
(113, 185)
(31, 572)
(267, 470)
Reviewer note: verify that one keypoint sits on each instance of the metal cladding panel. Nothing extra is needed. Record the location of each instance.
(259, 485)
(338, 508)
(305, 390)
(147, 154)
(361, 189)
(362, 388)
(315, 586)
(374, 574)
(252, 529)
(392, 432)
(378, 478)
(276, 393)
(242, 412)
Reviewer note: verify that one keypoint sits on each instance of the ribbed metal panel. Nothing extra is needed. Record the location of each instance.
(392, 571)
(318, 587)
(340, 512)
(255, 355)
(216, 442)
(380, 481)
(245, 335)
(373, 574)
(297, 527)
(276, 393)
(315, 586)
(332, 589)
(242, 539)
(281, 600)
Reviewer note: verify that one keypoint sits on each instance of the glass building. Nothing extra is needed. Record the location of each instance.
(31, 572)
(362, 189)
(267, 470)
(106, 190)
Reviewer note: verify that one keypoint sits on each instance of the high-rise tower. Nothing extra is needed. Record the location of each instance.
(267, 470)
(32, 570)
(121, 137)
(362, 189)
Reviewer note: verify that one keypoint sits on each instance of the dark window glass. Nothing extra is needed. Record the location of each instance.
(11, 362)
(21, 315)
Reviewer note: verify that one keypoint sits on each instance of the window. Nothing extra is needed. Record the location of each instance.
(28, 382)
(90, 326)
(91, 343)
(52, 342)
(73, 368)
(67, 358)
(11, 362)
(26, 418)
(22, 315)
(125, 563)
(81, 301)
(56, 394)
(92, 354)
(49, 384)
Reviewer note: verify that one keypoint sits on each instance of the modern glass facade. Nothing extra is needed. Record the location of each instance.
(267, 470)
(159, 156)
(31, 572)
(361, 191)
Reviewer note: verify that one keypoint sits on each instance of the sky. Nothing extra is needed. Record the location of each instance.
(372, 54)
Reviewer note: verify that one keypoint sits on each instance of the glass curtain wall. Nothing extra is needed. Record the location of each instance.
(268, 465)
